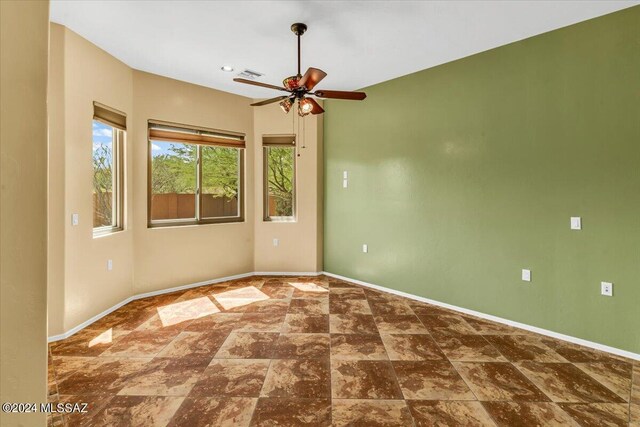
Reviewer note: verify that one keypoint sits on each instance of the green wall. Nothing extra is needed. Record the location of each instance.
(463, 174)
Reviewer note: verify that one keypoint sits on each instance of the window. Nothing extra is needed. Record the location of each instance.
(195, 175)
(279, 177)
(109, 127)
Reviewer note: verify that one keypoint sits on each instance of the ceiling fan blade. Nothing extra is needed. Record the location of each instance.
(267, 85)
(317, 109)
(269, 101)
(340, 94)
(311, 78)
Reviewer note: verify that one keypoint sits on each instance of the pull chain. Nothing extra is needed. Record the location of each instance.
(304, 139)
(300, 137)
(293, 127)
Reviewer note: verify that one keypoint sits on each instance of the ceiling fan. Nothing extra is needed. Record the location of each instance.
(301, 86)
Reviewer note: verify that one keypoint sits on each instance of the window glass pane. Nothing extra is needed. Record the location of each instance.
(280, 181)
(103, 175)
(173, 180)
(220, 181)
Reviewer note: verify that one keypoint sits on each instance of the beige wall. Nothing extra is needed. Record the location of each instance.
(79, 281)
(145, 259)
(173, 256)
(56, 161)
(299, 248)
(319, 236)
(23, 228)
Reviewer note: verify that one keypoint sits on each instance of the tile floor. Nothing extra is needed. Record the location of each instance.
(286, 351)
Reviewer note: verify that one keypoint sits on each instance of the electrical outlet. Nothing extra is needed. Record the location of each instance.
(606, 289)
(75, 219)
(526, 275)
(576, 223)
(276, 242)
(365, 248)
(110, 264)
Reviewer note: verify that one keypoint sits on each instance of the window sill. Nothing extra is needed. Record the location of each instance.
(105, 233)
(178, 224)
(281, 220)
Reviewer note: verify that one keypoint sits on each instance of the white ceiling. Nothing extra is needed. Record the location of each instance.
(358, 43)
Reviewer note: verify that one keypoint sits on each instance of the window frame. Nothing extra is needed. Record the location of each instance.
(265, 184)
(118, 142)
(198, 220)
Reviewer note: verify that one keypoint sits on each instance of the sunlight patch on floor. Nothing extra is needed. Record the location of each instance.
(308, 287)
(104, 338)
(239, 297)
(186, 310)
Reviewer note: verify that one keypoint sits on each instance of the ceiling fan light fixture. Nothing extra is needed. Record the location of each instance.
(305, 107)
(286, 105)
(291, 83)
(227, 68)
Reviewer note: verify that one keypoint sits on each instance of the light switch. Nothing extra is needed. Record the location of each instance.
(110, 265)
(576, 223)
(345, 183)
(365, 248)
(526, 275)
(345, 175)
(276, 242)
(606, 289)
(75, 219)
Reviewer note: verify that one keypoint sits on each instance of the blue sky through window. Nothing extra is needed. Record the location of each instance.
(102, 135)
(159, 147)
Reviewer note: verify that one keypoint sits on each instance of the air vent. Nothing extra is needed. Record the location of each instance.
(249, 74)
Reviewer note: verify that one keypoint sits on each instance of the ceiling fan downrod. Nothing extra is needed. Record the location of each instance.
(298, 29)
